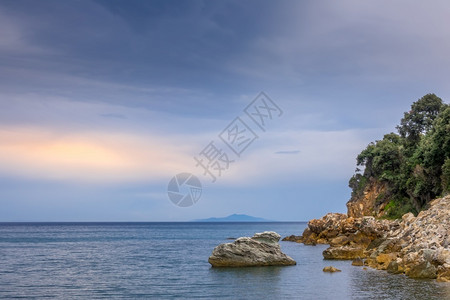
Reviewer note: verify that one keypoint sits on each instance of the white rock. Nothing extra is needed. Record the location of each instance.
(260, 250)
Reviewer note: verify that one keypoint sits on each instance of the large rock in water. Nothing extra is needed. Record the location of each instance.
(260, 250)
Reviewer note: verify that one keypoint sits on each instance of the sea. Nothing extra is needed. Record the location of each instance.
(170, 261)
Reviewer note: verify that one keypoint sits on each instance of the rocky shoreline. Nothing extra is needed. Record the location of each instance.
(416, 246)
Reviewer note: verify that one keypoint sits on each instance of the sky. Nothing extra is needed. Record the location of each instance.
(103, 102)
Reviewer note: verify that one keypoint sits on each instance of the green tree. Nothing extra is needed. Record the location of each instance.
(383, 158)
(419, 119)
(437, 147)
(430, 157)
(446, 177)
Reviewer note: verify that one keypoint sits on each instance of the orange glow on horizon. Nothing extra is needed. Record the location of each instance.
(93, 156)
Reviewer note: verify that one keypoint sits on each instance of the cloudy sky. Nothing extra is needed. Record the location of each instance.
(103, 102)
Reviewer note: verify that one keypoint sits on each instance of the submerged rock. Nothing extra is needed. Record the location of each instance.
(293, 238)
(331, 269)
(260, 250)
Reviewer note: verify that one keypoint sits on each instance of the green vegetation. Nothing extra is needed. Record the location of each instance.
(414, 164)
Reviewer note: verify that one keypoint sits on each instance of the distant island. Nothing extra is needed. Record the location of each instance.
(235, 218)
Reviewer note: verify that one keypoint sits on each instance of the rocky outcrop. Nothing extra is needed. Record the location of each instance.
(348, 237)
(416, 246)
(260, 250)
(420, 247)
(368, 202)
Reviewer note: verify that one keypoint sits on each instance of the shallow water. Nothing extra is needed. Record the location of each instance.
(169, 260)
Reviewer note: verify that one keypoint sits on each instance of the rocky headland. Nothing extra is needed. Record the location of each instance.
(416, 246)
(262, 249)
(397, 177)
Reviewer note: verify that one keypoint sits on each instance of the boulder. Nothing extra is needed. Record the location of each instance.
(340, 240)
(343, 252)
(443, 274)
(260, 250)
(394, 268)
(358, 262)
(328, 222)
(384, 259)
(423, 270)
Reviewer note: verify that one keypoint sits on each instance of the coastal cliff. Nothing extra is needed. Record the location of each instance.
(370, 201)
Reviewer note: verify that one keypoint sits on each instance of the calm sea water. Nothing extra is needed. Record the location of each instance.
(170, 260)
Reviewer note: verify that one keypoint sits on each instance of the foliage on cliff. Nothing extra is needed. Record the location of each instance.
(414, 163)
